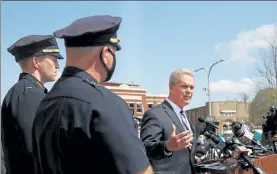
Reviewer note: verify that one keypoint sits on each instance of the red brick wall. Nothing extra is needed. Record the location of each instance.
(141, 93)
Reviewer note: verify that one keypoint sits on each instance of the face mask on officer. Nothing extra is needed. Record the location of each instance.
(110, 70)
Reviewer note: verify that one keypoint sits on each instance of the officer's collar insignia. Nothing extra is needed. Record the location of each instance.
(91, 82)
(95, 84)
(38, 84)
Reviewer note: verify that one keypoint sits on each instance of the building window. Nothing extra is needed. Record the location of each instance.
(228, 114)
(131, 106)
(139, 108)
(150, 106)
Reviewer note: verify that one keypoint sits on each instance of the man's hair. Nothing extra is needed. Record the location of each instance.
(84, 50)
(24, 62)
(175, 75)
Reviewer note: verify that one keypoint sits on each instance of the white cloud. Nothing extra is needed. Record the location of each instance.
(252, 60)
(247, 42)
(228, 86)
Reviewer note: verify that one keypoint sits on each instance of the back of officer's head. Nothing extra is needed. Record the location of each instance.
(91, 59)
(37, 55)
(91, 43)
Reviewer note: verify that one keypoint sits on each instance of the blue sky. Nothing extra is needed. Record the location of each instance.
(158, 37)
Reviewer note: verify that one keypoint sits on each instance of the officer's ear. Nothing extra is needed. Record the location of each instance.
(35, 61)
(105, 54)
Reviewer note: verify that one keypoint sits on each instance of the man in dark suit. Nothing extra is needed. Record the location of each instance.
(168, 135)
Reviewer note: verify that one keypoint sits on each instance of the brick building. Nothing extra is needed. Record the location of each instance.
(139, 101)
(135, 96)
(225, 112)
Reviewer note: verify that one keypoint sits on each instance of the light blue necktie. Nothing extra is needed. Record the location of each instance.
(185, 120)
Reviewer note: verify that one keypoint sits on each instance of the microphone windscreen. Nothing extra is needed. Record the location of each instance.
(202, 119)
(215, 139)
(207, 134)
(236, 126)
(201, 128)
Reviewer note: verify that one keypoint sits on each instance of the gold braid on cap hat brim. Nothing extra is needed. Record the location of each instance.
(51, 51)
(114, 40)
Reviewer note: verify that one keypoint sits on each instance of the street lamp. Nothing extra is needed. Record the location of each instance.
(208, 90)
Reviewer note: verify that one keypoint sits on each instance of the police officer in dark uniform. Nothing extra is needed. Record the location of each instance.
(37, 56)
(80, 126)
(3, 168)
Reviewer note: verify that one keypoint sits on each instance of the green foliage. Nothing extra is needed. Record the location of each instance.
(261, 103)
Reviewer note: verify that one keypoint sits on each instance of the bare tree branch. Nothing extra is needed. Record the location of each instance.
(266, 81)
(244, 97)
(267, 66)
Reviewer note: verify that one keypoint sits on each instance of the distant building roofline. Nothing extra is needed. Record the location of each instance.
(228, 101)
(156, 95)
(123, 86)
(118, 84)
(207, 103)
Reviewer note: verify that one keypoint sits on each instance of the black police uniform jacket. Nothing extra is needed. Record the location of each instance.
(82, 127)
(18, 111)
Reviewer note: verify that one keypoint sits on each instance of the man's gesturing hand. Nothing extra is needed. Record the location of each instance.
(180, 141)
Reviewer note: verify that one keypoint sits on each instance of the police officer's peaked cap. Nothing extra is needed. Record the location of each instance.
(35, 45)
(91, 31)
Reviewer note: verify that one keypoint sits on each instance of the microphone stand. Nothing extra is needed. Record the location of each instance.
(211, 151)
(243, 155)
(256, 169)
(274, 142)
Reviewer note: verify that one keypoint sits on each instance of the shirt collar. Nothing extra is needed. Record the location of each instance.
(175, 107)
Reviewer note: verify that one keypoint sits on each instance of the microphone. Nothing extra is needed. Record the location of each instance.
(227, 146)
(254, 148)
(202, 119)
(240, 152)
(218, 143)
(242, 132)
(211, 136)
(201, 128)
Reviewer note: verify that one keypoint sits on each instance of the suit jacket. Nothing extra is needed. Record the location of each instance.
(156, 129)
